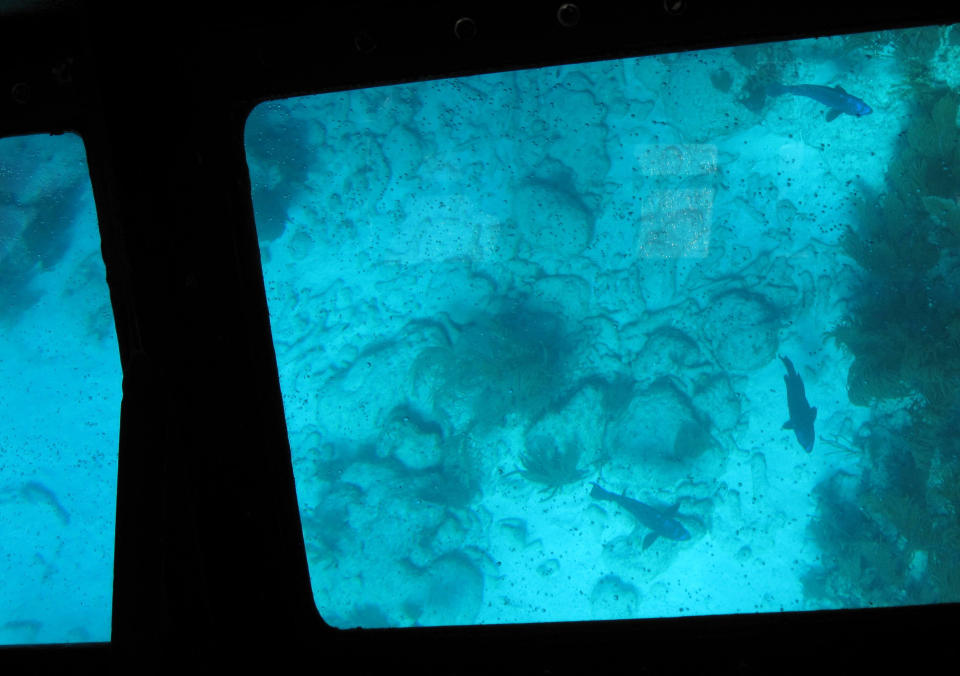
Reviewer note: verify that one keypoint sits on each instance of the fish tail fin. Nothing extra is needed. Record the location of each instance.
(776, 89)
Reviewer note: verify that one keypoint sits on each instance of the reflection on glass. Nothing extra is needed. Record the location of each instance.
(60, 395)
(652, 337)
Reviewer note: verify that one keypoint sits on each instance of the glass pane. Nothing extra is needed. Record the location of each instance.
(652, 337)
(60, 393)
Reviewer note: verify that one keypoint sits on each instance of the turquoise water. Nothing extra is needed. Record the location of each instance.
(536, 333)
(60, 389)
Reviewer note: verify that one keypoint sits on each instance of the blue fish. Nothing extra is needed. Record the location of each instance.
(802, 414)
(835, 98)
(659, 523)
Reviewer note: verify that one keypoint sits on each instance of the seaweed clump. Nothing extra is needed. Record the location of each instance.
(544, 462)
(861, 563)
(904, 329)
(891, 536)
(502, 365)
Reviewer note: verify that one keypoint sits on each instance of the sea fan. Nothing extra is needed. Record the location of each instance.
(545, 463)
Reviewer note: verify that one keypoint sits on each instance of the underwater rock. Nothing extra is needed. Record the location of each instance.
(555, 221)
(513, 530)
(456, 291)
(576, 120)
(778, 280)
(404, 152)
(449, 535)
(406, 438)
(563, 295)
(612, 598)
(437, 232)
(741, 329)
(657, 282)
(17, 263)
(610, 289)
(601, 350)
(721, 80)
(728, 506)
(667, 351)
(375, 480)
(300, 244)
(455, 484)
(510, 363)
(661, 431)
(714, 395)
(355, 401)
(366, 616)
(454, 591)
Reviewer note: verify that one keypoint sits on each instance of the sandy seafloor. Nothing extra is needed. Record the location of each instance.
(629, 237)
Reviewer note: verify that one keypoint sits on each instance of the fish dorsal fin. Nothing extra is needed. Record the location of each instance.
(840, 89)
(814, 409)
(672, 511)
(832, 114)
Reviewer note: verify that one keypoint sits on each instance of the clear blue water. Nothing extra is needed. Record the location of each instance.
(60, 389)
(537, 332)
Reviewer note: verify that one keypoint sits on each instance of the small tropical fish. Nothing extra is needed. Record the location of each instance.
(835, 98)
(802, 414)
(659, 523)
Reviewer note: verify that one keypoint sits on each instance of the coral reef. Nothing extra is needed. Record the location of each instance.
(892, 536)
(903, 327)
(861, 565)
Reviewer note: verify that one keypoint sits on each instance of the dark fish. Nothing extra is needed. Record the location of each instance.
(835, 98)
(659, 523)
(802, 414)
